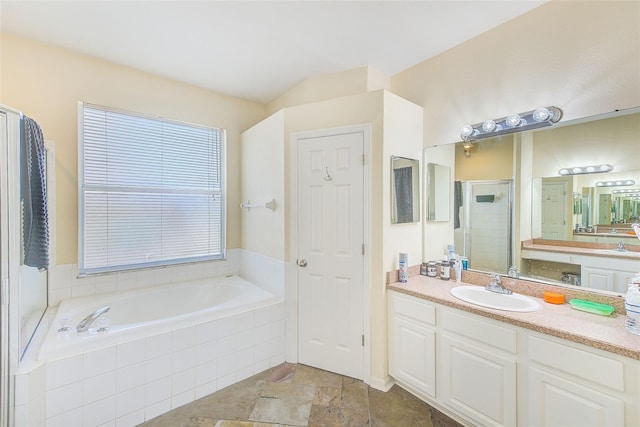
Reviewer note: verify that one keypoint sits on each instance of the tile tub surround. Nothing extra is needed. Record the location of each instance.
(606, 333)
(135, 381)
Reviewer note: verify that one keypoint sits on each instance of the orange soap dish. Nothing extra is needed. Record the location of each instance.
(553, 298)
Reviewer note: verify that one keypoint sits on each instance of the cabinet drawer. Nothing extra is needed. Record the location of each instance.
(481, 330)
(413, 308)
(597, 369)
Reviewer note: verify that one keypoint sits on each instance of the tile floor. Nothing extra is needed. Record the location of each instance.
(298, 395)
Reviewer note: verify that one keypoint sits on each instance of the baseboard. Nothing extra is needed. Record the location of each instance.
(382, 384)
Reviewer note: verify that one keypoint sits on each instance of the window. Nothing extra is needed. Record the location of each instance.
(151, 191)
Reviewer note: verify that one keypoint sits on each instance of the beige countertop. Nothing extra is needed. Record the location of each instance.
(578, 248)
(603, 332)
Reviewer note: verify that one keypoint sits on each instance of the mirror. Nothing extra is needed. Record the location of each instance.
(532, 160)
(438, 184)
(405, 190)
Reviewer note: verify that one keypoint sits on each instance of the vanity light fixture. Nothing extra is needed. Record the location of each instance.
(544, 116)
(467, 149)
(579, 170)
(631, 191)
(616, 183)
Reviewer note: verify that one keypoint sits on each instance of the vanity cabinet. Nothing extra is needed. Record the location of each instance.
(487, 372)
(571, 386)
(477, 369)
(412, 356)
(610, 274)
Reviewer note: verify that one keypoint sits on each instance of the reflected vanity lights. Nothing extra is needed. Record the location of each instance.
(616, 183)
(579, 170)
(541, 117)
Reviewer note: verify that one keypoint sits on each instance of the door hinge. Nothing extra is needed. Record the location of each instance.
(363, 249)
(363, 340)
(363, 160)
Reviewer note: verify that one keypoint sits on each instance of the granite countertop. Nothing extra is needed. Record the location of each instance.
(579, 248)
(603, 332)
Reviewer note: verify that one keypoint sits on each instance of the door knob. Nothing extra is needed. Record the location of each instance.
(302, 262)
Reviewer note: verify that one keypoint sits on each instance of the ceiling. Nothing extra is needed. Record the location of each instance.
(256, 50)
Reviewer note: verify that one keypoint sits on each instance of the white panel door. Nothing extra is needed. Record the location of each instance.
(554, 210)
(330, 253)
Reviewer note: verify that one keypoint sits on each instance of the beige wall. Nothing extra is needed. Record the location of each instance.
(615, 141)
(262, 160)
(330, 86)
(579, 56)
(46, 82)
(490, 159)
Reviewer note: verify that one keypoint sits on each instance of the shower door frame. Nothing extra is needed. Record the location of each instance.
(10, 264)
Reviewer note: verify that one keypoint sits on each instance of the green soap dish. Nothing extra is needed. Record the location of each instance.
(592, 307)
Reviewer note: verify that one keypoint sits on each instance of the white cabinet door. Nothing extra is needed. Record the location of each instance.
(555, 401)
(412, 356)
(478, 383)
(598, 278)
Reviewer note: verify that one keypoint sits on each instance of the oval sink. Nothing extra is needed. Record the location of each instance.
(482, 297)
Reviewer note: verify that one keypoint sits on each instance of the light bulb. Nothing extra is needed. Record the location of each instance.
(541, 114)
(605, 168)
(466, 131)
(563, 172)
(630, 182)
(576, 170)
(599, 184)
(590, 169)
(489, 126)
(513, 120)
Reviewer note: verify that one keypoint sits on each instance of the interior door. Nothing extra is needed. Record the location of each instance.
(330, 253)
(554, 210)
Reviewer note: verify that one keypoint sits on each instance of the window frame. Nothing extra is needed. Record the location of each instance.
(82, 270)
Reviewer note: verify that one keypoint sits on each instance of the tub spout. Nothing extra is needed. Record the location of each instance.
(87, 321)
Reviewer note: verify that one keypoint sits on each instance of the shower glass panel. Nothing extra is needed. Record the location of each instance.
(487, 218)
(33, 282)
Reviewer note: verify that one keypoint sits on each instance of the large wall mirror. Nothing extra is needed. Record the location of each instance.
(563, 208)
(405, 190)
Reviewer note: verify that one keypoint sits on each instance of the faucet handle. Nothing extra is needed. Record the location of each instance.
(495, 277)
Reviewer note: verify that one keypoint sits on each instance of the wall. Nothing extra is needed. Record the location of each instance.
(46, 82)
(330, 86)
(262, 179)
(530, 61)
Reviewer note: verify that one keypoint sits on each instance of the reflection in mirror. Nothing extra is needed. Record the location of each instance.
(405, 190)
(438, 184)
(542, 207)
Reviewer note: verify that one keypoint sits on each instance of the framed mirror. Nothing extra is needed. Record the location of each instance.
(438, 192)
(405, 190)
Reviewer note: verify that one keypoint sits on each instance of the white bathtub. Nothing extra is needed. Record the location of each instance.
(142, 313)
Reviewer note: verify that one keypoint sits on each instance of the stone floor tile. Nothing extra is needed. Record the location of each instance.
(290, 411)
(282, 373)
(354, 394)
(178, 417)
(202, 422)
(438, 419)
(327, 396)
(230, 423)
(308, 375)
(397, 407)
(235, 402)
(334, 416)
(285, 391)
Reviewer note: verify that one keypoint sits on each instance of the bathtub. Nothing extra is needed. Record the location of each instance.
(142, 313)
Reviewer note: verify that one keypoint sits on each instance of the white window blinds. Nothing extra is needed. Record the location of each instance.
(151, 191)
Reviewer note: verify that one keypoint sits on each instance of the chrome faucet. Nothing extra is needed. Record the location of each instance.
(87, 321)
(620, 246)
(496, 286)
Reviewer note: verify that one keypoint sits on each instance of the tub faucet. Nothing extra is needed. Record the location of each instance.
(87, 321)
(496, 286)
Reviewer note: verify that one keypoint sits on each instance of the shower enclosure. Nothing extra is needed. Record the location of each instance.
(23, 289)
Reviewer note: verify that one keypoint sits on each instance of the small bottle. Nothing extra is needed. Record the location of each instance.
(632, 306)
(432, 269)
(423, 269)
(457, 266)
(451, 252)
(445, 270)
(402, 268)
